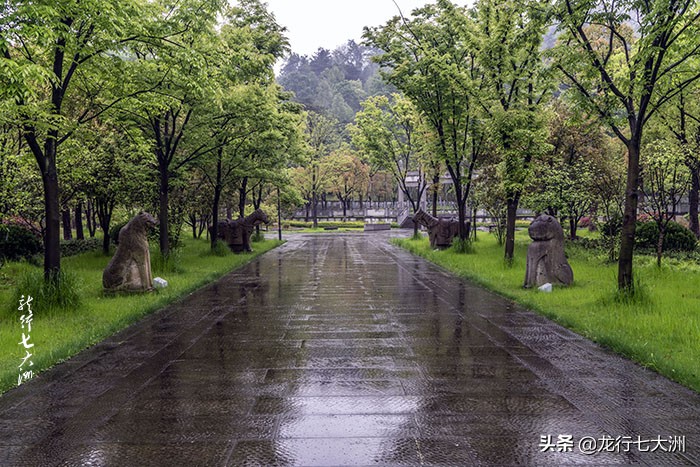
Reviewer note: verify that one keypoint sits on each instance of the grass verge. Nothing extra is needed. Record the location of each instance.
(659, 328)
(59, 334)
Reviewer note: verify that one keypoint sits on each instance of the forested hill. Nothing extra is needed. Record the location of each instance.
(334, 83)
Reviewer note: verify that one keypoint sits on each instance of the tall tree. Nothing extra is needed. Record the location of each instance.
(564, 178)
(321, 135)
(172, 116)
(507, 36)
(682, 119)
(616, 57)
(273, 145)
(348, 175)
(116, 166)
(388, 132)
(44, 48)
(665, 182)
(185, 119)
(429, 59)
(20, 182)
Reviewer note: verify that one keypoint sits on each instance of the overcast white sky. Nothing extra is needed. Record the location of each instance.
(329, 23)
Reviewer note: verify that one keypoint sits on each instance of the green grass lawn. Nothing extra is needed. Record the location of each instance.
(58, 335)
(660, 330)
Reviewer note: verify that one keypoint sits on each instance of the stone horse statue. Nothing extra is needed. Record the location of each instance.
(441, 231)
(546, 262)
(237, 233)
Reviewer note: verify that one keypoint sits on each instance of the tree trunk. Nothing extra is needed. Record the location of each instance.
(46, 161)
(104, 214)
(90, 219)
(193, 222)
(693, 200)
(258, 196)
(52, 239)
(660, 244)
(65, 220)
(79, 234)
(105, 240)
(217, 197)
(203, 224)
(462, 213)
(511, 217)
(163, 211)
(625, 280)
(314, 199)
(242, 193)
(435, 187)
(572, 228)
(215, 215)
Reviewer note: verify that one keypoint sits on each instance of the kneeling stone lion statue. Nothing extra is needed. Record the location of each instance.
(130, 267)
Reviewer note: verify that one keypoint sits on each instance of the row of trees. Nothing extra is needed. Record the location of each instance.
(174, 107)
(483, 87)
(140, 103)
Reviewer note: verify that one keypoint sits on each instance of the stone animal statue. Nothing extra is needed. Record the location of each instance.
(130, 268)
(236, 233)
(546, 262)
(441, 231)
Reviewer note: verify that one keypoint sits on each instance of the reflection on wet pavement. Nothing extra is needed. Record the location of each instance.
(343, 350)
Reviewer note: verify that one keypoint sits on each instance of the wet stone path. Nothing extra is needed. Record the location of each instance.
(344, 350)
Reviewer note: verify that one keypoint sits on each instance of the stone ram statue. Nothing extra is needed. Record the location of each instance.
(130, 268)
(546, 262)
(237, 233)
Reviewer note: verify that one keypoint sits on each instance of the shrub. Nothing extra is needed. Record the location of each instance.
(612, 227)
(643, 217)
(76, 247)
(167, 264)
(17, 242)
(677, 237)
(588, 223)
(61, 294)
(587, 243)
(257, 237)
(462, 246)
(220, 249)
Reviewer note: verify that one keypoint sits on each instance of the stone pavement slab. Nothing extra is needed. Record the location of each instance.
(344, 350)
